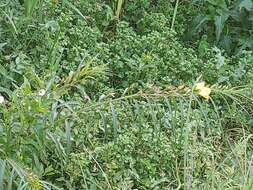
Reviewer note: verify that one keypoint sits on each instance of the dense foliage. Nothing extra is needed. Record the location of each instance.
(100, 94)
(227, 23)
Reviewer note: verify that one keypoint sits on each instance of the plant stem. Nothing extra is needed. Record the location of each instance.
(174, 15)
(119, 8)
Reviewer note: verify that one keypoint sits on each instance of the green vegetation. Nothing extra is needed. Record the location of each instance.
(126, 94)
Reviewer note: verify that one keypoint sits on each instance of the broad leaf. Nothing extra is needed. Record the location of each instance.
(219, 25)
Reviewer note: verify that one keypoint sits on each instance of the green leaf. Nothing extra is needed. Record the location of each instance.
(2, 45)
(226, 43)
(5, 74)
(6, 90)
(26, 87)
(219, 25)
(203, 45)
(2, 171)
(30, 6)
(219, 3)
(196, 25)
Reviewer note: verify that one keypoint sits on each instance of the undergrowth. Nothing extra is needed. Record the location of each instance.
(107, 95)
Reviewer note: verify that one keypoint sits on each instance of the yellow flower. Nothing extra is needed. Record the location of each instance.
(203, 90)
(200, 85)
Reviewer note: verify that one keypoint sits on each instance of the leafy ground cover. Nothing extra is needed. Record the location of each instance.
(126, 94)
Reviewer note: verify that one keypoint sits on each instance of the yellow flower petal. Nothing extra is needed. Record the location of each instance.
(200, 85)
(205, 92)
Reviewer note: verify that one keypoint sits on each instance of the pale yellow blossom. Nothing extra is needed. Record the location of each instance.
(200, 85)
(203, 90)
